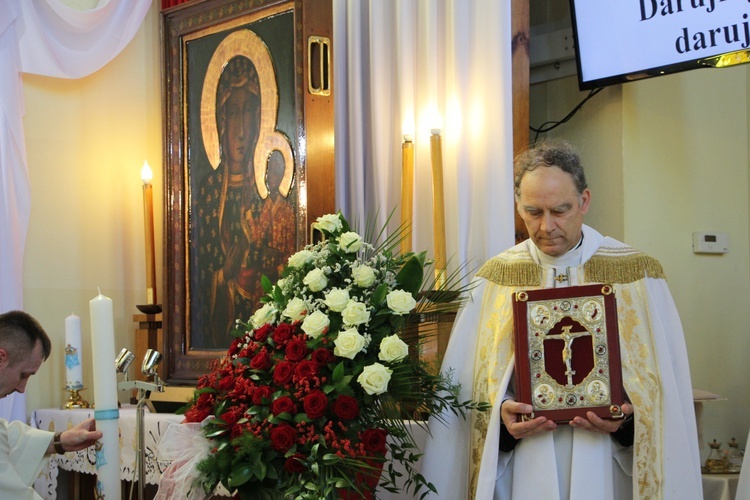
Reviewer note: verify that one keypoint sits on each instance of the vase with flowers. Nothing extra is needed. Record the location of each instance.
(309, 400)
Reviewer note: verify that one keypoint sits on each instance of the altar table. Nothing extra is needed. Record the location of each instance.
(155, 426)
(85, 461)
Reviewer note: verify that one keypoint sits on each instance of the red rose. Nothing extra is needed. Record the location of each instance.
(284, 404)
(296, 350)
(315, 404)
(322, 356)
(226, 382)
(282, 334)
(374, 440)
(261, 333)
(283, 437)
(293, 465)
(234, 348)
(261, 361)
(260, 393)
(306, 369)
(248, 351)
(232, 415)
(282, 372)
(346, 408)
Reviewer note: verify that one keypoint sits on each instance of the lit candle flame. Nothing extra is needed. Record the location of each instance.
(146, 173)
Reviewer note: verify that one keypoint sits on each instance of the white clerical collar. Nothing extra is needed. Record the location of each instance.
(573, 258)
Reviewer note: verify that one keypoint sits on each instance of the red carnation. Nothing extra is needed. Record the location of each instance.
(323, 356)
(283, 437)
(282, 372)
(261, 361)
(293, 465)
(296, 350)
(284, 404)
(242, 390)
(259, 393)
(197, 414)
(261, 333)
(306, 369)
(346, 408)
(315, 404)
(282, 334)
(374, 440)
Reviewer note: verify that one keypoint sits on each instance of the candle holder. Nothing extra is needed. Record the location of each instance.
(149, 308)
(75, 400)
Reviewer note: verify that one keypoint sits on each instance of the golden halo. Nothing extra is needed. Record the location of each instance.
(248, 44)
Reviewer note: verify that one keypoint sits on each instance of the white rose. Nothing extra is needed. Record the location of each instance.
(266, 314)
(300, 258)
(348, 344)
(355, 313)
(374, 378)
(316, 280)
(329, 222)
(364, 276)
(350, 242)
(392, 348)
(316, 324)
(281, 283)
(337, 299)
(295, 310)
(400, 302)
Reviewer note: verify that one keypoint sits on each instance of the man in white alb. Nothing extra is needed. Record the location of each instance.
(653, 452)
(24, 346)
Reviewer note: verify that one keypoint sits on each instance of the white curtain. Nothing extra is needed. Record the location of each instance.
(43, 37)
(408, 66)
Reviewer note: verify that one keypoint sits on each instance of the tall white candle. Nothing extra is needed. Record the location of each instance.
(73, 367)
(105, 397)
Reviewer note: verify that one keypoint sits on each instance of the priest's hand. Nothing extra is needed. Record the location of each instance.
(77, 438)
(511, 412)
(596, 424)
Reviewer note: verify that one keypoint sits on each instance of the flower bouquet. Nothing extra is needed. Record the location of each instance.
(310, 397)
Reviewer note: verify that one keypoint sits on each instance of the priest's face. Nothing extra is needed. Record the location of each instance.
(15, 369)
(552, 209)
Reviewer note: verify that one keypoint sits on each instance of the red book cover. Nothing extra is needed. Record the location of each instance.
(568, 352)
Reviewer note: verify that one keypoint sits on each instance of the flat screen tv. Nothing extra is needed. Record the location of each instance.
(619, 41)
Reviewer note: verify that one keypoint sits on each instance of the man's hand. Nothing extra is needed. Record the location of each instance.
(596, 424)
(79, 437)
(519, 429)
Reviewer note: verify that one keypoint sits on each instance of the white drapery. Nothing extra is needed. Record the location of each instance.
(399, 65)
(44, 37)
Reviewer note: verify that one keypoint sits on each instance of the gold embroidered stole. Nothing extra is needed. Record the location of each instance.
(623, 267)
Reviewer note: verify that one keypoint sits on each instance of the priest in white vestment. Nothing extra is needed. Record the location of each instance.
(24, 346)
(653, 452)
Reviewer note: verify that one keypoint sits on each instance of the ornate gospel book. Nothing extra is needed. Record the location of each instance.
(568, 352)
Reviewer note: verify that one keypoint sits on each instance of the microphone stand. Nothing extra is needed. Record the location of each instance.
(144, 390)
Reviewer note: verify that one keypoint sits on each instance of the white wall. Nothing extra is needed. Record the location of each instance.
(86, 141)
(667, 157)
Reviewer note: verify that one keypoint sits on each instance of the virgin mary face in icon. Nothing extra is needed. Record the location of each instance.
(238, 114)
